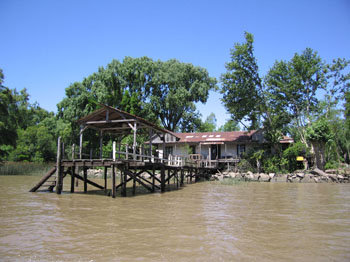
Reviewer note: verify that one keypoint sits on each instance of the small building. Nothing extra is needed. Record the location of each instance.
(212, 146)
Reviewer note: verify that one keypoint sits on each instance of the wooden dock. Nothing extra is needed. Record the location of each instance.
(132, 162)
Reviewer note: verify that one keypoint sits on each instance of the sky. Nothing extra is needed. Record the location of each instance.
(47, 45)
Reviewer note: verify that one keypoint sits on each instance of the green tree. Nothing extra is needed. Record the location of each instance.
(230, 125)
(8, 132)
(319, 133)
(245, 95)
(175, 88)
(242, 87)
(293, 87)
(209, 125)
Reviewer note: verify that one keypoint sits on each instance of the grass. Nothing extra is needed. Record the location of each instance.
(24, 168)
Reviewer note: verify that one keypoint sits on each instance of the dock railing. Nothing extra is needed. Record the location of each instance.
(120, 151)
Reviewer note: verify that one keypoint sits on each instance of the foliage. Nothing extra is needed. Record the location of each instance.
(291, 154)
(209, 124)
(230, 125)
(242, 85)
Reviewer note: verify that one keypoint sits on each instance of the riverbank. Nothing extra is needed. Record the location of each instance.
(305, 176)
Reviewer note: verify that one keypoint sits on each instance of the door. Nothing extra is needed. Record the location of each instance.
(215, 151)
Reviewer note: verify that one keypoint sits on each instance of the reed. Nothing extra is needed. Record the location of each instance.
(24, 168)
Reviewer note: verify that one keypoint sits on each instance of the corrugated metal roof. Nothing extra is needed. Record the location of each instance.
(235, 136)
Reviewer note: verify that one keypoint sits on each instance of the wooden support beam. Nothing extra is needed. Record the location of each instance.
(181, 177)
(89, 181)
(134, 182)
(85, 179)
(59, 171)
(44, 179)
(72, 181)
(110, 121)
(162, 179)
(105, 177)
(113, 182)
(153, 176)
(121, 184)
(101, 143)
(131, 174)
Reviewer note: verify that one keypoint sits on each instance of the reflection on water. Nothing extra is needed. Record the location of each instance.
(201, 222)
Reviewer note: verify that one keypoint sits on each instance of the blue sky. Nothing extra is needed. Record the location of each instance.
(47, 45)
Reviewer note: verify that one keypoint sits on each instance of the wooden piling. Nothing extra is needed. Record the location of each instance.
(153, 178)
(85, 179)
(134, 182)
(162, 179)
(105, 178)
(59, 176)
(72, 181)
(113, 182)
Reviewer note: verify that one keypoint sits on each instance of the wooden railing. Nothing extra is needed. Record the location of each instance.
(142, 153)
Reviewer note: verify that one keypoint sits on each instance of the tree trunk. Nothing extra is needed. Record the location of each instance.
(319, 154)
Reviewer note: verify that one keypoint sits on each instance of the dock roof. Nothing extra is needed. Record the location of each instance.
(109, 119)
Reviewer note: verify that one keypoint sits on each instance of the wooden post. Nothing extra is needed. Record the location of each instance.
(113, 182)
(114, 149)
(169, 176)
(119, 150)
(191, 175)
(209, 155)
(59, 174)
(81, 143)
(134, 144)
(182, 177)
(73, 151)
(101, 143)
(72, 181)
(105, 178)
(150, 143)
(162, 179)
(153, 178)
(134, 182)
(127, 151)
(85, 179)
(121, 180)
(163, 156)
(125, 180)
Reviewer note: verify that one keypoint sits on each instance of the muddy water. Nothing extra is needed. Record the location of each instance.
(201, 222)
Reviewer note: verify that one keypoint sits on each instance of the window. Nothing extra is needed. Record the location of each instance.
(240, 149)
(168, 151)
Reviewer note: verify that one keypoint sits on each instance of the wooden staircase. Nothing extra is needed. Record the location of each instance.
(45, 182)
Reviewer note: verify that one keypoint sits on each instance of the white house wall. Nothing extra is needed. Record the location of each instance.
(182, 149)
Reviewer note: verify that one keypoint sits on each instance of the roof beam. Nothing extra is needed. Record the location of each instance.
(110, 121)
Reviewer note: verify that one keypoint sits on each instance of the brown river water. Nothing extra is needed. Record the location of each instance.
(205, 221)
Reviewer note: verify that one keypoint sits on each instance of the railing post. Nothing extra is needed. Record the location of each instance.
(127, 151)
(114, 149)
(73, 151)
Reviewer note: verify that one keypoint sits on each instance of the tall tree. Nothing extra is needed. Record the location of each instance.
(209, 124)
(8, 133)
(242, 86)
(293, 87)
(176, 87)
(230, 125)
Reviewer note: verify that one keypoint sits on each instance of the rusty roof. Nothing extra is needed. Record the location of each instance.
(233, 136)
